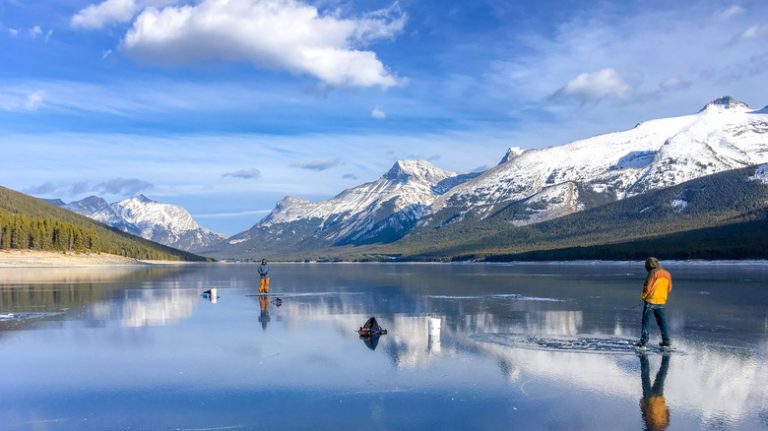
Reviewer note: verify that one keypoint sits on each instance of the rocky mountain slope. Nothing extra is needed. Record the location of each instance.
(725, 134)
(163, 223)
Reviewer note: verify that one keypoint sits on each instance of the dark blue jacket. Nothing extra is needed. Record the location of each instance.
(264, 271)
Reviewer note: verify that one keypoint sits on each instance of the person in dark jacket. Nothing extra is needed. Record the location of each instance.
(656, 289)
(263, 277)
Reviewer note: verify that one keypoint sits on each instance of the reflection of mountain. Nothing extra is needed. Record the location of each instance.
(59, 293)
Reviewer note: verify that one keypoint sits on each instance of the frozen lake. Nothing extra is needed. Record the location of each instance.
(524, 346)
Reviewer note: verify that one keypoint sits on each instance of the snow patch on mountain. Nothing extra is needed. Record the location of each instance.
(761, 174)
(550, 203)
(511, 154)
(725, 135)
(679, 205)
(389, 205)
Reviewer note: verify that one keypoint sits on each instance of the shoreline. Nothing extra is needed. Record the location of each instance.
(49, 259)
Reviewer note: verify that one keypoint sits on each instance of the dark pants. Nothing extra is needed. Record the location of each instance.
(645, 375)
(661, 320)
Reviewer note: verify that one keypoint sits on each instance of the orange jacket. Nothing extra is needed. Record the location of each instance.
(657, 285)
(655, 413)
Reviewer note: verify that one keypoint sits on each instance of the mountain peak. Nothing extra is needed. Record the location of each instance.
(512, 153)
(417, 169)
(143, 199)
(725, 102)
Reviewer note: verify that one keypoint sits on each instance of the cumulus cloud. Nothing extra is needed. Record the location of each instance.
(279, 34)
(100, 15)
(594, 87)
(317, 165)
(729, 12)
(245, 174)
(13, 32)
(378, 113)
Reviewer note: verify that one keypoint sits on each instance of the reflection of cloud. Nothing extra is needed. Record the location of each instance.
(153, 307)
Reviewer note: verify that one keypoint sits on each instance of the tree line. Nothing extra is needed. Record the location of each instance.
(20, 231)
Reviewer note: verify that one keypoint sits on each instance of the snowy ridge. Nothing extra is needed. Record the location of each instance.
(725, 135)
(167, 224)
(392, 203)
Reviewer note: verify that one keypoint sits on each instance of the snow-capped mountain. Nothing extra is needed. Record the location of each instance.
(384, 209)
(726, 134)
(164, 223)
(526, 187)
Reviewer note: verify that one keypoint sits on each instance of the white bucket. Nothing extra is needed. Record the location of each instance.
(214, 297)
(434, 326)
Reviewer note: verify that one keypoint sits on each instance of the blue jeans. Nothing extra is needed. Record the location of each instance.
(661, 320)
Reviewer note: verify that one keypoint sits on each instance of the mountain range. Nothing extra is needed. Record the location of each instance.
(416, 207)
(37, 224)
(163, 223)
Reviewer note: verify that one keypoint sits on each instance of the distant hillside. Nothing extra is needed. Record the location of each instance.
(30, 223)
(746, 240)
(729, 198)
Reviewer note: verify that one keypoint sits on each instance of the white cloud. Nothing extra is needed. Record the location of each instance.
(378, 114)
(594, 87)
(21, 100)
(35, 31)
(13, 32)
(244, 174)
(34, 100)
(107, 12)
(317, 165)
(673, 84)
(280, 34)
(754, 31)
(106, 54)
(729, 12)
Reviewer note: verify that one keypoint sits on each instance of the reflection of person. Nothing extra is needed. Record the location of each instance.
(264, 315)
(657, 286)
(263, 277)
(653, 406)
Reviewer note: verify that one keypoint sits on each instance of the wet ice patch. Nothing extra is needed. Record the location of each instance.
(509, 296)
(601, 345)
(26, 315)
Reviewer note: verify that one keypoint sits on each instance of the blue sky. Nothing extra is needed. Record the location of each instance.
(224, 107)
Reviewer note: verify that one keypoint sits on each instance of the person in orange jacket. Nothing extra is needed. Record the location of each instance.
(653, 406)
(656, 289)
(263, 277)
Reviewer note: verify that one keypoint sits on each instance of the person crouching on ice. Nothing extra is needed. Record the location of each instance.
(657, 286)
(264, 277)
